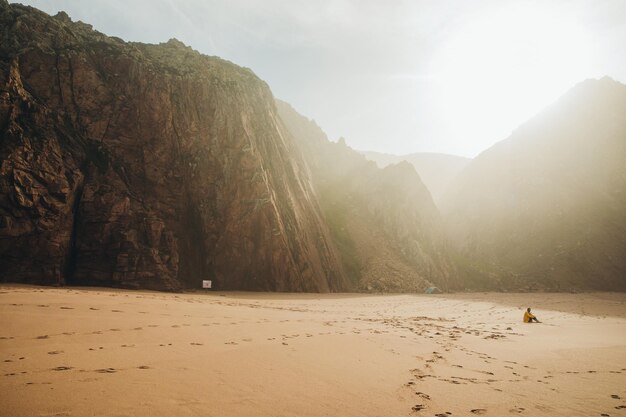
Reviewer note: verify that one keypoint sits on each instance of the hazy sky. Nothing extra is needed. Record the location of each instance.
(392, 76)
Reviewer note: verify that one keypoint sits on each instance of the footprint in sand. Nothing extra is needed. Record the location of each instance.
(478, 411)
(45, 336)
(66, 308)
(143, 367)
(106, 370)
(617, 397)
(418, 407)
(55, 352)
(195, 344)
(93, 308)
(62, 368)
(517, 410)
(423, 395)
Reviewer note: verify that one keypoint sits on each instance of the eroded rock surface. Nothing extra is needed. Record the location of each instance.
(147, 166)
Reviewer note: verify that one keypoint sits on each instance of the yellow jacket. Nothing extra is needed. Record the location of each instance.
(528, 316)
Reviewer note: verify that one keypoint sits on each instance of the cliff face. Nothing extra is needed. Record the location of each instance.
(147, 166)
(384, 222)
(546, 208)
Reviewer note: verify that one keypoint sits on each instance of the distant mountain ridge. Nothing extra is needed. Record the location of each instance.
(436, 170)
(546, 208)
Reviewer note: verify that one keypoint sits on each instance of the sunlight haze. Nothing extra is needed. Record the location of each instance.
(500, 67)
(396, 77)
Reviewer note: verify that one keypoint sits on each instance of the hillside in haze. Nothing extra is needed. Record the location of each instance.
(384, 222)
(147, 166)
(436, 170)
(546, 208)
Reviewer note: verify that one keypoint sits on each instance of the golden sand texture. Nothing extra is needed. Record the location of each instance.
(102, 352)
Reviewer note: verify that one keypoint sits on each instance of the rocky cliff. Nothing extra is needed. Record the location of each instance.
(384, 222)
(148, 166)
(546, 208)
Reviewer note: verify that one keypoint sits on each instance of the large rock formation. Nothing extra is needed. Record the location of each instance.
(147, 166)
(436, 170)
(546, 208)
(383, 221)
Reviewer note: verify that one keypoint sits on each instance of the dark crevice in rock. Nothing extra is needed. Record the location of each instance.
(193, 267)
(73, 93)
(70, 267)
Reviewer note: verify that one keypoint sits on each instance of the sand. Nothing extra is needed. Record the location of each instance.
(101, 352)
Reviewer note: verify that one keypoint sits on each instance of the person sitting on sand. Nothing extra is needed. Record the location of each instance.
(529, 317)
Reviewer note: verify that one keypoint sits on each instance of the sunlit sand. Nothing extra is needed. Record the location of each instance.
(84, 352)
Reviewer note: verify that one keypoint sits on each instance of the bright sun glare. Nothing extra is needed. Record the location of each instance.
(500, 68)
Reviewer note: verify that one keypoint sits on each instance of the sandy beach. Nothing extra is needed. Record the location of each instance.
(103, 352)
